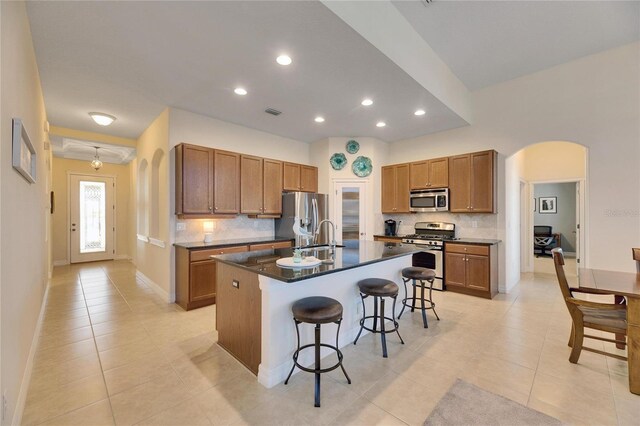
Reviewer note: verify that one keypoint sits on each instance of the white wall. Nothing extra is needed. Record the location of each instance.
(593, 101)
(24, 210)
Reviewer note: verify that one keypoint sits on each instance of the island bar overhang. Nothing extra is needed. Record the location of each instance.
(249, 299)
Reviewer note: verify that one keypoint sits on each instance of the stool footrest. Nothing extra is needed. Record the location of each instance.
(393, 330)
(313, 370)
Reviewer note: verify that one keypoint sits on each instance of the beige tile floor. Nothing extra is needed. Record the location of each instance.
(112, 352)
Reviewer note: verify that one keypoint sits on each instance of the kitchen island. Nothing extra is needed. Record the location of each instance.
(253, 307)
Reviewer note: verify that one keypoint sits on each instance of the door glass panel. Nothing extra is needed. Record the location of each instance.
(350, 214)
(93, 215)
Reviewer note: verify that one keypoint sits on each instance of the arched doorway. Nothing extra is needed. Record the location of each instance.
(541, 164)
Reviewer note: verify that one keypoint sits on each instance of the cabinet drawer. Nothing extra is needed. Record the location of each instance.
(206, 254)
(268, 246)
(467, 249)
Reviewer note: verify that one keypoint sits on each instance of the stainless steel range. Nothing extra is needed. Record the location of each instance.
(430, 238)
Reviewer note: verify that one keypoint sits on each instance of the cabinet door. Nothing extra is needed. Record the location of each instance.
(291, 178)
(419, 175)
(388, 189)
(478, 272)
(482, 182)
(402, 189)
(197, 180)
(455, 269)
(226, 191)
(272, 181)
(202, 280)
(251, 185)
(459, 183)
(439, 173)
(308, 178)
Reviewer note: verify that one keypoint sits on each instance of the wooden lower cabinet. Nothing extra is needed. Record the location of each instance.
(239, 315)
(471, 269)
(196, 275)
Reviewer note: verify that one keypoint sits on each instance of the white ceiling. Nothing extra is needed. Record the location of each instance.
(488, 42)
(131, 59)
(86, 150)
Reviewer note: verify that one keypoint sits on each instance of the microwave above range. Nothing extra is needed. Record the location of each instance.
(429, 200)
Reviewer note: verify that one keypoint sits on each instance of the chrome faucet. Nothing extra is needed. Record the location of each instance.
(333, 231)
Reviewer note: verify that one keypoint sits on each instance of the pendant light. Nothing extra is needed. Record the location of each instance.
(96, 163)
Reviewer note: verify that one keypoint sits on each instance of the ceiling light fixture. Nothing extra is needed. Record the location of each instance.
(284, 60)
(102, 118)
(381, 124)
(96, 163)
(240, 91)
(319, 119)
(367, 102)
(419, 112)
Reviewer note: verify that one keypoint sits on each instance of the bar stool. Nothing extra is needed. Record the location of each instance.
(419, 276)
(317, 310)
(378, 288)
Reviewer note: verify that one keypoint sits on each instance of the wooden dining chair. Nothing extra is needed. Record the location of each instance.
(636, 257)
(608, 317)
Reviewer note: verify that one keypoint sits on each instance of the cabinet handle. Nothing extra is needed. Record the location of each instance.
(210, 208)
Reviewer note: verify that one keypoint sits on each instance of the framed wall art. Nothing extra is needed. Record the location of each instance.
(23, 154)
(548, 205)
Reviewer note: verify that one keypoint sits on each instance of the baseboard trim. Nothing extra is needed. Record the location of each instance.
(26, 377)
(170, 298)
(60, 262)
(122, 257)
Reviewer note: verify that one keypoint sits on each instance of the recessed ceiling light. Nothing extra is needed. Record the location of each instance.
(367, 102)
(283, 60)
(319, 119)
(102, 118)
(419, 112)
(240, 91)
(381, 124)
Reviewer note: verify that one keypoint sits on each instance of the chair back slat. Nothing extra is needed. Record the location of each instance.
(558, 261)
(636, 257)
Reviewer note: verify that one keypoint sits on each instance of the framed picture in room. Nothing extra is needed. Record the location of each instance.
(23, 153)
(548, 205)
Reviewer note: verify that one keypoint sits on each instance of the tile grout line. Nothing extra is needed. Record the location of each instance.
(104, 380)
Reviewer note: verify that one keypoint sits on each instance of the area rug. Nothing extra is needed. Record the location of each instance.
(466, 404)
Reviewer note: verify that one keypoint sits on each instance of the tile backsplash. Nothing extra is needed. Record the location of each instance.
(239, 227)
(467, 225)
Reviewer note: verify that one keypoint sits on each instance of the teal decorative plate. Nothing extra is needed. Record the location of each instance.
(352, 146)
(362, 166)
(338, 161)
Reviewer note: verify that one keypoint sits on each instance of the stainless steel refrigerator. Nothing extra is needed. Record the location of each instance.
(311, 209)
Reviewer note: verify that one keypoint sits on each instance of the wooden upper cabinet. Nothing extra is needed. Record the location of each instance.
(194, 180)
(460, 183)
(483, 182)
(251, 184)
(260, 186)
(272, 187)
(395, 189)
(299, 177)
(291, 179)
(308, 178)
(226, 178)
(430, 173)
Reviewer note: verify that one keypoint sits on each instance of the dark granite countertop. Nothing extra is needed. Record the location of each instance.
(479, 241)
(230, 242)
(355, 254)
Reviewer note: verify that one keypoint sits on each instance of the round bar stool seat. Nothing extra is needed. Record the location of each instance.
(419, 276)
(378, 288)
(317, 310)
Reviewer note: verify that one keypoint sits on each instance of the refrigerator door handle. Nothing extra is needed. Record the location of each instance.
(314, 204)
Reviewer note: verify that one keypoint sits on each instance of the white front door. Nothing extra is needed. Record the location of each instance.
(91, 218)
(350, 211)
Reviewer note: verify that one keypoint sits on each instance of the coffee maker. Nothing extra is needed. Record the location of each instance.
(391, 227)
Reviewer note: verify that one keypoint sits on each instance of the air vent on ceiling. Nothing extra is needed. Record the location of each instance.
(272, 111)
(426, 2)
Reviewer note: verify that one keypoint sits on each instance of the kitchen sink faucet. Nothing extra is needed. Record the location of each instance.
(333, 234)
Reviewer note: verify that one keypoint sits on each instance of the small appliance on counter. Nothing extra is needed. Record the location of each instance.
(391, 227)
(429, 237)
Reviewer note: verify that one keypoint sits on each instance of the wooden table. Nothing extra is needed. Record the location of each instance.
(621, 284)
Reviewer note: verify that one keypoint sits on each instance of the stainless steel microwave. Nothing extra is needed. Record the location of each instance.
(429, 200)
